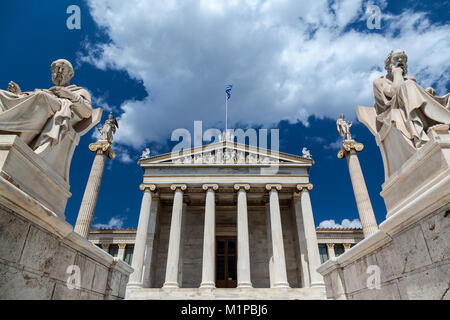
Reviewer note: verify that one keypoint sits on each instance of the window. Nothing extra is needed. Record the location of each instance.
(323, 252)
(113, 250)
(128, 257)
(338, 249)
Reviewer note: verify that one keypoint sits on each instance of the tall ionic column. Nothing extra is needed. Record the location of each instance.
(331, 253)
(366, 215)
(279, 260)
(243, 259)
(141, 236)
(303, 210)
(102, 150)
(209, 239)
(173, 254)
(121, 253)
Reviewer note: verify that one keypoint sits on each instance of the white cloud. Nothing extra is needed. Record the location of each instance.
(286, 59)
(346, 224)
(114, 223)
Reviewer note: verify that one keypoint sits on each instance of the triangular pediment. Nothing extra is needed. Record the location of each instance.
(226, 153)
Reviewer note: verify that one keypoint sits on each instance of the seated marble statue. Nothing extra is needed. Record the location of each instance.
(43, 117)
(401, 100)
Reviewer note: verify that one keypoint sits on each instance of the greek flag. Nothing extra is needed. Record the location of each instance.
(228, 91)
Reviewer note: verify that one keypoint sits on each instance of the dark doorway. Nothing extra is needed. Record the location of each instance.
(226, 262)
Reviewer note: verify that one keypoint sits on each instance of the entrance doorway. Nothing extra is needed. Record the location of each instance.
(226, 262)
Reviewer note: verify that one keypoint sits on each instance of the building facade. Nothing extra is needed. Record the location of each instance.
(224, 220)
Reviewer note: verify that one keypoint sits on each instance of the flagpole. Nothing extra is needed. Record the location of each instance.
(226, 114)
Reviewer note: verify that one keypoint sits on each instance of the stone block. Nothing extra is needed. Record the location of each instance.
(40, 251)
(100, 279)
(436, 230)
(13, 233)
(123, 286)
(89, 295)
(113, 283)
(430, 284)
(18, 284)
(411, 249)
(62, 292)
(389, 262)
(87, 270)
(386, 292)
(65, 257)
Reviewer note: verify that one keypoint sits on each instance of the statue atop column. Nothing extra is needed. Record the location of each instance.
(108, 128)
(405, 115)
(343, 128)
(50, 121)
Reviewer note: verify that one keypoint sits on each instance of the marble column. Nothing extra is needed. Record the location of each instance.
(150, 249)
(349, 151)
(121, 253)
(243, 259)
(105, 246)
(303, 205)
(331, 254)
(209, 238)
(279, 260)
(173, 254)
(102, 150)
(141, 235)
(347, 246)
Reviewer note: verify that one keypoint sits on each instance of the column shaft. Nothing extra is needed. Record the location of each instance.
(366, 215)
(87, 208)
(150, 249)
(310, 237)
(243, 260)
(141, 239)
(209, 241)
(279, 260)
(331, 253)
(173, 254)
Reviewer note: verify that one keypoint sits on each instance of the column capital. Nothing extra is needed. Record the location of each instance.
(271, 186)
(105, 246)
(330, 245)
(174, 187)
(241, 185)
(145, 186)
(213, 186)
(122, 245)
(349, 146)
(347, 245)
(305, 187)
(102, 147)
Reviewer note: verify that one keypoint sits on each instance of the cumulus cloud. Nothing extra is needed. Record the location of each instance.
(286, 59)
(114, 223)
(346, 224)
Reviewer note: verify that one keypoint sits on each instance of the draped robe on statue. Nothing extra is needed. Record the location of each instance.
(41, 118)
(412, 108)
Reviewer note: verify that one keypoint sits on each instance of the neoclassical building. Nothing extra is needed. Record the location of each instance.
(225, 220)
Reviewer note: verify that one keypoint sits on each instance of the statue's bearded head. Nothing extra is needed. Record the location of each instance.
(396, 58)
(62, 72)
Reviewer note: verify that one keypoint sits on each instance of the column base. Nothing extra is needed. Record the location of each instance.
(207, 285)
(133, 285)
(171, 285)
(281, 285)
(245, 285)
(317, 284)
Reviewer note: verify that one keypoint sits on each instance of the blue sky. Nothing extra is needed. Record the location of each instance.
(160, 65)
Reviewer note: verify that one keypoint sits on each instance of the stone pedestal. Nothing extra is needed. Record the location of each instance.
(102, 150)
(30, 173)
(409, 256)
(366, 215)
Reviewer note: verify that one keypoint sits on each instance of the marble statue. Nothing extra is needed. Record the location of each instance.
(145, 154)
(405, 116)
(343, 127)
(49, 121)
(400, 99)
(306, 153)
(108, 128)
